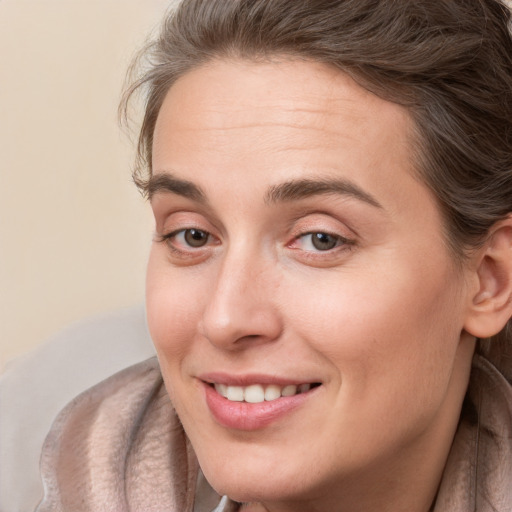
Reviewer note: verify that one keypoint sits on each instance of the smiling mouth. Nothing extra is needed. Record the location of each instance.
(258, 393)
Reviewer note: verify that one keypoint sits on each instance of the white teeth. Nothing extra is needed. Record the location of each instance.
(235, 393)
(272, 392)
(254, 394)
(257, 393)
(222, 389)
(289, 390)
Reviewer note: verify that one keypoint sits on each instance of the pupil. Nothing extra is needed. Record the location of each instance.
(195, 237)
(323, 241)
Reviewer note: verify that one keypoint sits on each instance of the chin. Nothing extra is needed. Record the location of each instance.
(253, 483)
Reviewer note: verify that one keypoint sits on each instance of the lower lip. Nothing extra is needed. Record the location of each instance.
(247, 416)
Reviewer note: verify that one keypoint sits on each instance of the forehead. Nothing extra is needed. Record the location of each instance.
(260, 124)
(281, 88)
(290, 96)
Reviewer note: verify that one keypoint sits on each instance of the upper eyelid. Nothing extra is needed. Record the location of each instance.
(295, 216)
(339, 230)
(297, 226)
(164, 210)
(187, 219)
(319, 220)
(323, 231)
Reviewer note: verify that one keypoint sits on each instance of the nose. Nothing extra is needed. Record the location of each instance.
(241, 308)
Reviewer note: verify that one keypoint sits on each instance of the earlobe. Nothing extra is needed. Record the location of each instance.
(491, 304)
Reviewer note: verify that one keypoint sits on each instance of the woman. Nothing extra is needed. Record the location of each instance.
(330, 282)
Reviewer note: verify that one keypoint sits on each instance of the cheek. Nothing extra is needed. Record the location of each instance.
(172, 308)
(385, 332)
(391, 346)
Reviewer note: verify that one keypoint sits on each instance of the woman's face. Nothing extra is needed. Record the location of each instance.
(299, 268)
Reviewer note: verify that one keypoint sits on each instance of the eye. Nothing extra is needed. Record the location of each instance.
(320, 241)
(323, 241)
(190, 237)
(194, 237)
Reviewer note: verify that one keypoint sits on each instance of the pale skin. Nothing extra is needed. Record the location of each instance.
(379, 315)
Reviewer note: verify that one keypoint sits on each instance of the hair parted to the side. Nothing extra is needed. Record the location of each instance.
(449, 62)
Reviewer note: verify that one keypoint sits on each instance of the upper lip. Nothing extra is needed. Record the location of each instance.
(251, 378)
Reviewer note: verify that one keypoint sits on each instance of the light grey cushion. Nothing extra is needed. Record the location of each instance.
(35, 387)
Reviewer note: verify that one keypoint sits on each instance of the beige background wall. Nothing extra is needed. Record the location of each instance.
(74, 233)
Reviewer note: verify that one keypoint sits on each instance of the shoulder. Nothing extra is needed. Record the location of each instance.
(119, 446)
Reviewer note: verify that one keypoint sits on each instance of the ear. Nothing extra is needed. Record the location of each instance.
(491, 305)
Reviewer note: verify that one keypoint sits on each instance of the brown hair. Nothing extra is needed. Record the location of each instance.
(448, 61)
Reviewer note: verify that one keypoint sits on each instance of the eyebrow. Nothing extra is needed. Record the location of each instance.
(303, 188)
(283, 192)
(166, 182)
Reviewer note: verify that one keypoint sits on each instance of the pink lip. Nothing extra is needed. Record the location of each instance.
(249, 416)
(248, 379)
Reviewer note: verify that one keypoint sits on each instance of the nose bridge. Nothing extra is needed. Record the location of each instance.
(241, 306)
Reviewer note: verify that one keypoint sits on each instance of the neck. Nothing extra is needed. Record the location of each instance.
(389, 494)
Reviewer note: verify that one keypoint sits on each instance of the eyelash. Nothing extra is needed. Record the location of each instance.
(341, 243)
(168, 238)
